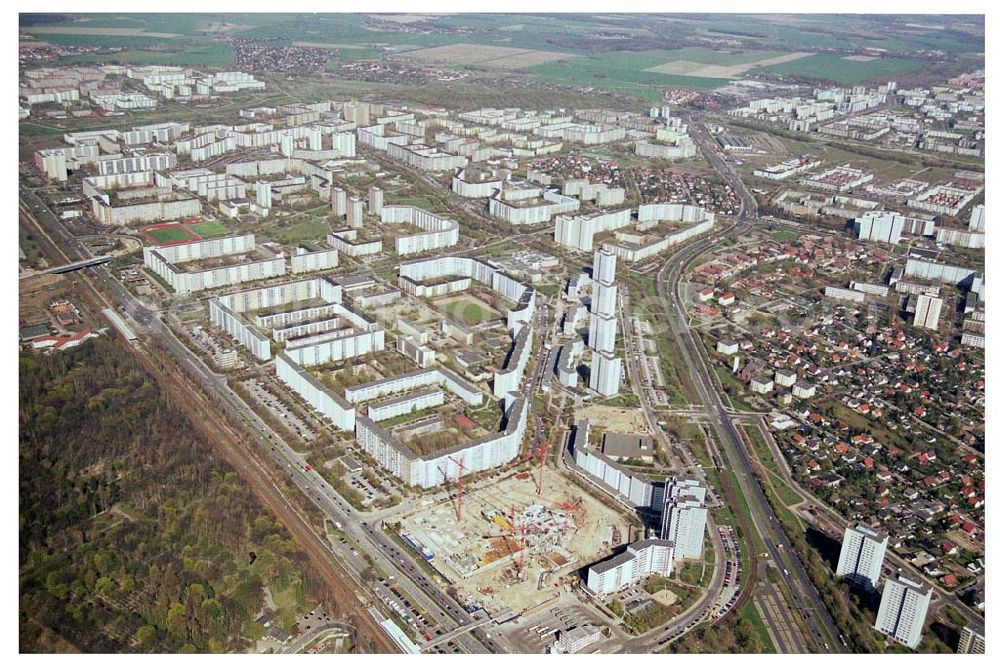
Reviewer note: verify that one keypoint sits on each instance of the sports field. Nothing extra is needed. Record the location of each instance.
(467, 311)
(163, 234)
(209, 229)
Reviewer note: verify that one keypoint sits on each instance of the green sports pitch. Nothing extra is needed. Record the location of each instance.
(209, 229)
(169, 234)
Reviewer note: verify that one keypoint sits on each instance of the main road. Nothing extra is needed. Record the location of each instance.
(777, 545)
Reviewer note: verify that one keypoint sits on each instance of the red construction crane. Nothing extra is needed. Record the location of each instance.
(541, 465)
(461, 473)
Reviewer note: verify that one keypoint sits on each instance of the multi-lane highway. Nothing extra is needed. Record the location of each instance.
(778, 548)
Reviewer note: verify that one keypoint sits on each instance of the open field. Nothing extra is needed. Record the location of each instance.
(834, 68)
(614, 418)
(322, 45)
(626, 71)
(563, 529)
(305, 230)
(478, 54)
(720, 71)
(209, 229)
(467, 310)
(108, 32)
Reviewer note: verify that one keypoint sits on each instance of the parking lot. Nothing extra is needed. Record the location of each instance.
(536, 632)
(263, 395)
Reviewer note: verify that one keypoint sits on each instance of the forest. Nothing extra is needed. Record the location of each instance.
(134, 536)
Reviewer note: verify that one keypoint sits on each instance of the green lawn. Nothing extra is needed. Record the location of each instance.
(170, 234)
(834, 68)
(750, 613)
(306, 230)
(467, 312)
(621, 71)
(209, 229)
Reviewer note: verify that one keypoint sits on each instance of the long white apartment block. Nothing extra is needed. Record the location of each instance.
(438, 232)
(626, 482)
(236, 325)
(112, 164)
(639, 561)
(164, 262)
(960, 237)
(53, 162)
(903, 609)
(227, 311)
(639, 246)
(861, 554)
(508, 378)
(444, 466)
(340, 412)
(413, 273)
(304, 261)
(412, 381)
(525, 204)
(577, 231)
(360, 336)
(464, 185)
(306, 328)
(405, 404)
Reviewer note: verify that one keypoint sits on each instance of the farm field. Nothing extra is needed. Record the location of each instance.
(841, 70)
(487, 56)
(721, 65)
(622, 71)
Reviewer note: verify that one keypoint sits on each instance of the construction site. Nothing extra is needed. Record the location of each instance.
(509, 547)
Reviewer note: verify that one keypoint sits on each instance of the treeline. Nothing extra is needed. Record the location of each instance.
(134, 536)
(731, 636)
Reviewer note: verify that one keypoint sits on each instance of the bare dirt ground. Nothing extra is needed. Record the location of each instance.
(614, 418)
(485, 537)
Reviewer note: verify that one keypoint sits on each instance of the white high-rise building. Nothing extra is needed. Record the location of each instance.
(684, 516)
(903, 609)
(287, 145)
(355, 213)
(315, 139)
(602, 333)
(928, 312)
(640, 559)
(605, 262)
(375, 199)
(977, 220)
(264, 195)
(972, 640)
(605, 374)
(861, 555)
(604, 298)
(338, 201)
